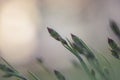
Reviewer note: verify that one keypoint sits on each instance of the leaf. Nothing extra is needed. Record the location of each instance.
(10, 72)
(7, 76)
(115, 28)
(56, 36)
(39, 60)
(106, 71)
(115, 54)
(59, 75)
(78, 41)
(5, 68)
(9, 65)
(112, 44)
(78, 48)
(34, 76)
(93, 72)
(75, 63)
(79, 44)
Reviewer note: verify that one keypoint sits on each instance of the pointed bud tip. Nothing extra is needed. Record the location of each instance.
(73, 35)
(49, 29)
(110, 40)
(55, 71)
(39, 60)
(111, 21)
(113, 25)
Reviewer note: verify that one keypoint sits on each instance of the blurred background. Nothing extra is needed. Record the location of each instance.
(24, 36)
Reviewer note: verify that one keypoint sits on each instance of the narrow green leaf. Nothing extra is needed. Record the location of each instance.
(106, 71)
(34, 76)
(7, 75)
(5, 68)
(10, 71)
(115, 54)
(78, 48)
(78, 41)
(112, 44)
(79, 44)
(56, 36)
(39, 60)
(59, 75)
(9, 65)
(93, 72)
(115, 28)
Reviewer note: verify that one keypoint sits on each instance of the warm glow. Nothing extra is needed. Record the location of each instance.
(18, 31)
